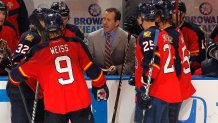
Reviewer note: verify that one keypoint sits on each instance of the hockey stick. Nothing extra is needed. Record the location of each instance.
(41, 32)
(147, 87)
(35, 103)
(120, 80)
(22, 97)
(24, 103)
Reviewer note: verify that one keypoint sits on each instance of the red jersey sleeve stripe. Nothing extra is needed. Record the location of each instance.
(157, 54)
(23, 73)
(156, 66)
(13, 82)
(195, 54)
(98, 78)
(196, 51)
(87, 66)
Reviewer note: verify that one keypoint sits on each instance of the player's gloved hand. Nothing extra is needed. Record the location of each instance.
(5, 62)
(143, 101)
(132, 80)
(130, 24)
(18, 58)
(100, 93)
(145, 79)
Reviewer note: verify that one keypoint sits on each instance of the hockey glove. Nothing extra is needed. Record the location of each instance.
(132, 80)
(5, 62)
(143, 101)
(145, 79)
(4, 49)
(100, 93)
(130, 24)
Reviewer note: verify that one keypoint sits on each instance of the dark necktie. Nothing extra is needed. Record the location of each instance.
(108, 52)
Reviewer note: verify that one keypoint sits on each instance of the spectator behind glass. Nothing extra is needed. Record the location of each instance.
(8, 33)
(17, 15)
(118, 41)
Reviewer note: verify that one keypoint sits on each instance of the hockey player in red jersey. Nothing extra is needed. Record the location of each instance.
(62, 62)
(8, 33)
(187, 64)
(165, 86)
(17, 15)
(69, 30)
(182, 64)
(193, 35)
(27, 41)
(7, 30)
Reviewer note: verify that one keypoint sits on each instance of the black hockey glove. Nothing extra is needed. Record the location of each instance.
(145, 79)
(131, 25)
(132, 80)
(5, 62)
(100, 93)
(143, 101)
(18, 58)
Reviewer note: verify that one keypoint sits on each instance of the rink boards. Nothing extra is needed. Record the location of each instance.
(202, 107)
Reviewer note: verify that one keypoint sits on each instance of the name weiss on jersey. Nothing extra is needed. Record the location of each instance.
(59, 49)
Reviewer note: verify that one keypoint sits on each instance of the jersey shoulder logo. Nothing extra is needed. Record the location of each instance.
(171, 39)
(147, 34)
(166, 38)
(29, 37)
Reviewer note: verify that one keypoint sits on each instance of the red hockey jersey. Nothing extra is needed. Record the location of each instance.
(166, 85)
(185, 79)
(58, 65)
(182, 63)
(195, 42)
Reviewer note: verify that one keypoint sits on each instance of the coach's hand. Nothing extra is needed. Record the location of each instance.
(112, 70)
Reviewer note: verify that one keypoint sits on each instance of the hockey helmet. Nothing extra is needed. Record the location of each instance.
(61, 7)
(53, 22)
(146, 11)
(164, 9)
(37, 15)
(40, 13)
(181, 6)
